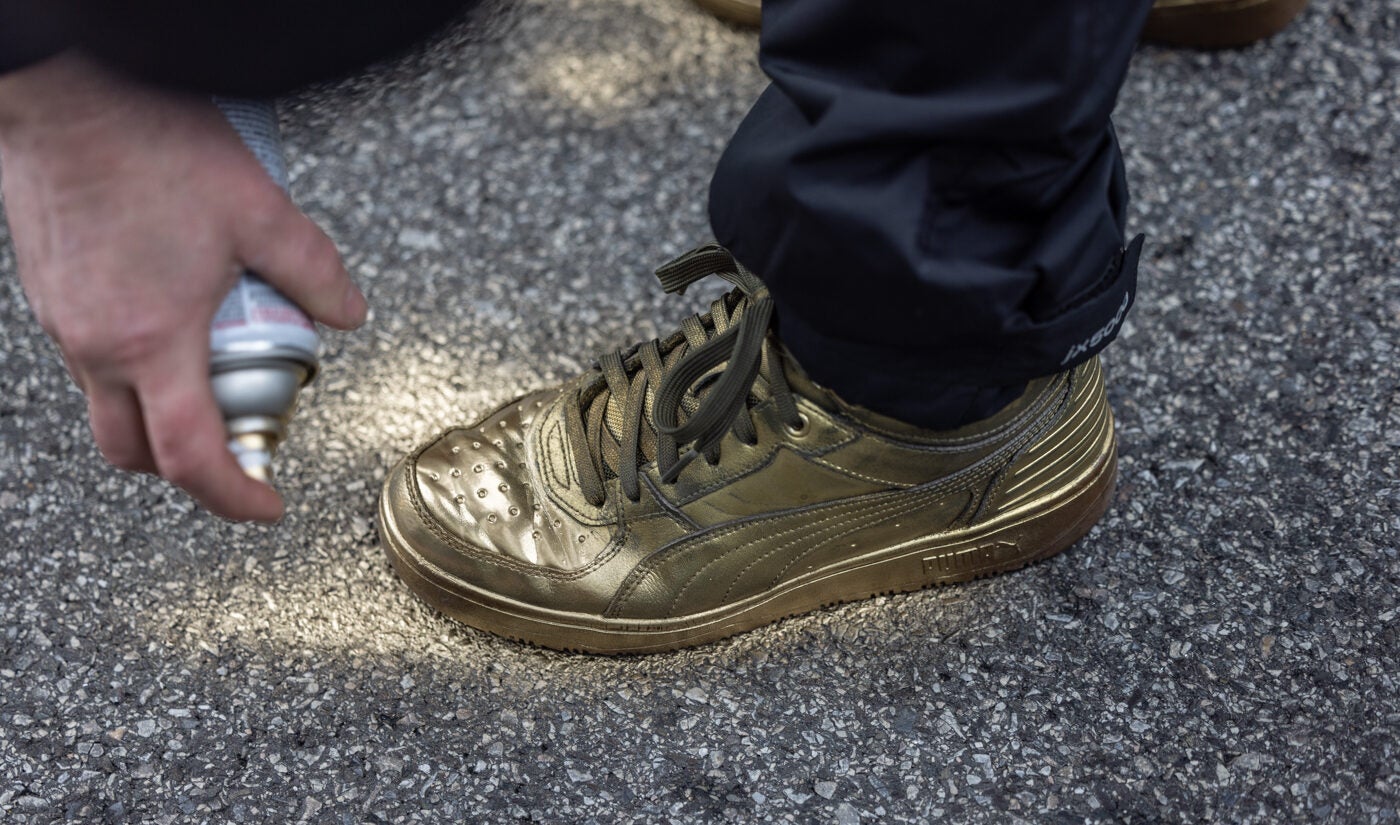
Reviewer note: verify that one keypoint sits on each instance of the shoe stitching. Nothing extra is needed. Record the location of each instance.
(448, 577)
(876, 517)
(822, 539)
(550, 470)
(649, 564)
(725, 481)
(815, 458)
(601, 516)
(954, 444)
(1027, 433)
(1036, 409)
(862, 476)
(939, 486)
(818, 534)
(666, 506)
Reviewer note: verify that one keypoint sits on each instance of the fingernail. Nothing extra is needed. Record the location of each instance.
(356, 308)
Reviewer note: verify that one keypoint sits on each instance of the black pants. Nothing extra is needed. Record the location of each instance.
(934, 194)
(930, 188)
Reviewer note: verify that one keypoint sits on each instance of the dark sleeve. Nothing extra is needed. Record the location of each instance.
(27, 34)
(252, 48)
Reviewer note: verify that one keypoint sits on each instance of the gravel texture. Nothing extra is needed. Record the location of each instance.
(1224, 646)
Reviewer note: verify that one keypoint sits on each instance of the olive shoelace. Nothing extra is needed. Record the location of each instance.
(653, 400)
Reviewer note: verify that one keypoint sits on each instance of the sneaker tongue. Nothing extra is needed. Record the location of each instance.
(615, 417)
(605, 416)
(613, 427)
(615, 412)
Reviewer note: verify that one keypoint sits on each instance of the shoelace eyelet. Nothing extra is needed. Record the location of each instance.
(801, 430)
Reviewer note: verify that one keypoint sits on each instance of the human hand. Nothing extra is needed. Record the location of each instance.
(132, 212)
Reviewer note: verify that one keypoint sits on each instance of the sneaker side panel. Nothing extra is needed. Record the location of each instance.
(997, 513)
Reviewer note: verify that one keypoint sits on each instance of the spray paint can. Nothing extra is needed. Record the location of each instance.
(263, 348)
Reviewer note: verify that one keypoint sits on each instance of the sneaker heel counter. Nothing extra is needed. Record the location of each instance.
(1075, 445)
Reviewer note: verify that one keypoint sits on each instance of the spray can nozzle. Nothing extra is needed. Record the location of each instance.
(255, 451)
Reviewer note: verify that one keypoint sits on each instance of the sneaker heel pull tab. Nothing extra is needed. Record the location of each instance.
(670, 476)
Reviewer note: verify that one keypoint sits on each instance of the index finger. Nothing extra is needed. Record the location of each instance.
(186, 432)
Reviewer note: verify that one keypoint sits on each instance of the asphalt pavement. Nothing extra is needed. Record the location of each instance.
(1223, 647)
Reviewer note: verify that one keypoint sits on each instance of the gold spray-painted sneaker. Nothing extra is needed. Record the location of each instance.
(689, 489)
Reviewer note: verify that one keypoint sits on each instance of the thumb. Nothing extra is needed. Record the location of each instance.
(290, 251)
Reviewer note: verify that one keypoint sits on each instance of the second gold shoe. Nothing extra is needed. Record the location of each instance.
(691, 488)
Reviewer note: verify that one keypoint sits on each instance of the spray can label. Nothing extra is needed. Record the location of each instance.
(256, 316)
